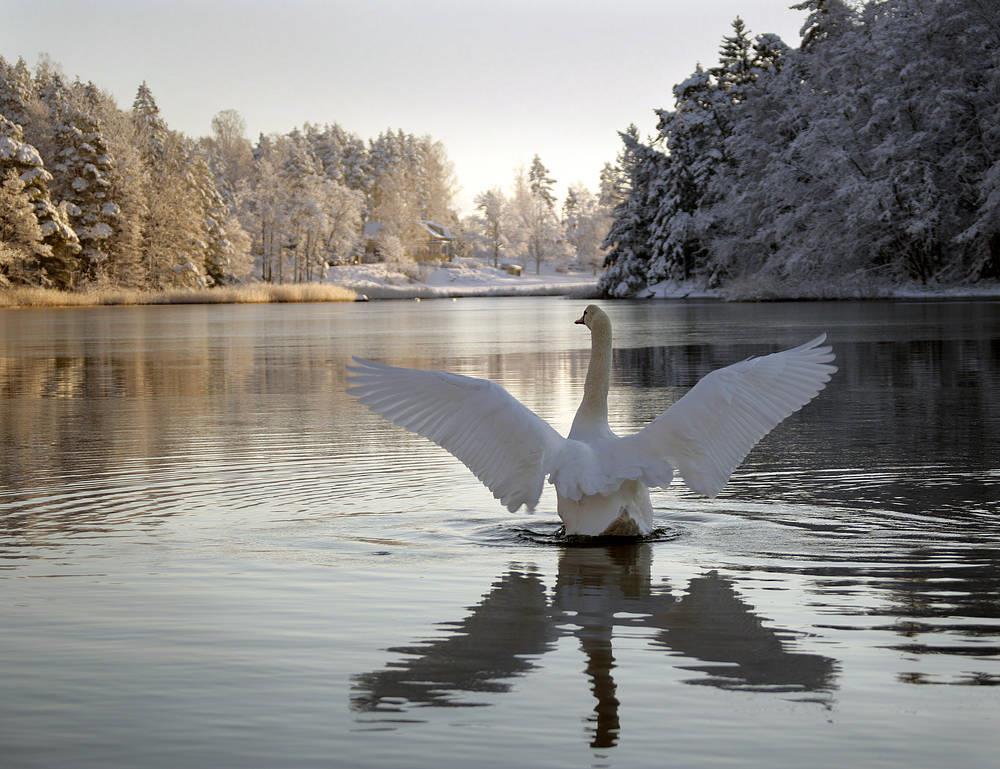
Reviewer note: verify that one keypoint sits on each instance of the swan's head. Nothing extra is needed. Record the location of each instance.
(595, 319)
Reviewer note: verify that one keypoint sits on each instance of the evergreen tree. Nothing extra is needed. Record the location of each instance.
(17, 91)
(56, 264)
(86, 171)
(825, 19)
(219, 253)
(150, 127)
(541, 183)
(20, 236)
(628, 240)
(736, 58)
(611, 187)
(539, 216)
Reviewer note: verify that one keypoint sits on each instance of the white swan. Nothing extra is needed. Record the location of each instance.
(602, 481)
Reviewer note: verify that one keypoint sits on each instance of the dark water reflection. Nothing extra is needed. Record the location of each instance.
(210, 556)
(598, 591)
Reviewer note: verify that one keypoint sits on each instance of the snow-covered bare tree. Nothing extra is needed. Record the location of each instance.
(491, 205)
(585, 226)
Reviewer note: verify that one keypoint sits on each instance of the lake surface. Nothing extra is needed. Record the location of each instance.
(210, 556)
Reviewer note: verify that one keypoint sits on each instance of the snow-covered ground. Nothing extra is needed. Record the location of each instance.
(669, 289)
(750, 291)
(918, 291)
(462, 278)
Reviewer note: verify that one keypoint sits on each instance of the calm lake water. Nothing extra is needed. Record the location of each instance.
(210, 556)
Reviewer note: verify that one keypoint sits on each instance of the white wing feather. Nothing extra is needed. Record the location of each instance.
(506, 445)
(709, 431)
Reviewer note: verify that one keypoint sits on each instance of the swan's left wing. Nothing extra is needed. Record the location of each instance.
(709, 431)
(506, 445)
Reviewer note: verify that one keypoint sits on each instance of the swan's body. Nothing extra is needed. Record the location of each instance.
(602, 481)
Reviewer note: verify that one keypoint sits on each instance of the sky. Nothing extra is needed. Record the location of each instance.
(497, 81)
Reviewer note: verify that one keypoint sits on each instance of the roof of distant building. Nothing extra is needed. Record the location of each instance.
(438, 231)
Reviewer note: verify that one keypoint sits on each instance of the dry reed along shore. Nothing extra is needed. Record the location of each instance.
(257, 293)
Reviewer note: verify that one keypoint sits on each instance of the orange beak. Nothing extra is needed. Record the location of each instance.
(580, 321)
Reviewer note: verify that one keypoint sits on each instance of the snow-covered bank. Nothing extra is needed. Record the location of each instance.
(785, 291)
(468, 278)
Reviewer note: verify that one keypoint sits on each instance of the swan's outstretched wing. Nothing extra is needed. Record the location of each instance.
(506, 445)
(708, 432)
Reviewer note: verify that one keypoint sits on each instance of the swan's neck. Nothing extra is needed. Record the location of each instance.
(594, 408)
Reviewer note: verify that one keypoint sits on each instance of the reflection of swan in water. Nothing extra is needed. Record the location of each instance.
(486, 647)
(598, 589)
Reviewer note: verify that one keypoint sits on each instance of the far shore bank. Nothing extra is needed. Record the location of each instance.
(256, 293)
(844, 291)
(361, 290)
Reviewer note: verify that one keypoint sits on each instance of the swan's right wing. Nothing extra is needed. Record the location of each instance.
(708, 432)
(505, 444)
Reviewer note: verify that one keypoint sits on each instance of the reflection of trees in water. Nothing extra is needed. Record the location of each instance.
(597, 590)
(913, 416)
(939, 600)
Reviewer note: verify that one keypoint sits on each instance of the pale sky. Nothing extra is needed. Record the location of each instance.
(495, 81)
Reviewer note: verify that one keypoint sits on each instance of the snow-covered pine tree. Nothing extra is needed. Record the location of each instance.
(540, 219)
(20, 236)
(628, 240)
(694, 134)
(736, 59)
(16, 91)
(56, 265)
(611, 187)
(174, 236)
(125, 265)
(150, 127)
(219, 252)
(571, 214)
(825, 19)
(85, 170)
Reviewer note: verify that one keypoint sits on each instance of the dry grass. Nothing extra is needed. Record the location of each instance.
(257, 293)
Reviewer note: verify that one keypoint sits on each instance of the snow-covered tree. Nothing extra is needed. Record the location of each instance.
(230, 153)
(20, 236)
(628, 241)
(736, 58)
(491, 205)
(17, 90)
(85, 169)
(585, 226)
(55, 265)
(534, 206)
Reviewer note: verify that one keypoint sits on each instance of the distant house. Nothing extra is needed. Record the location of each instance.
(438, 243)
(435, 242)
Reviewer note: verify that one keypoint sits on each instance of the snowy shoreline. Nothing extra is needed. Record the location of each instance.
(457, 280)
(675, 290)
